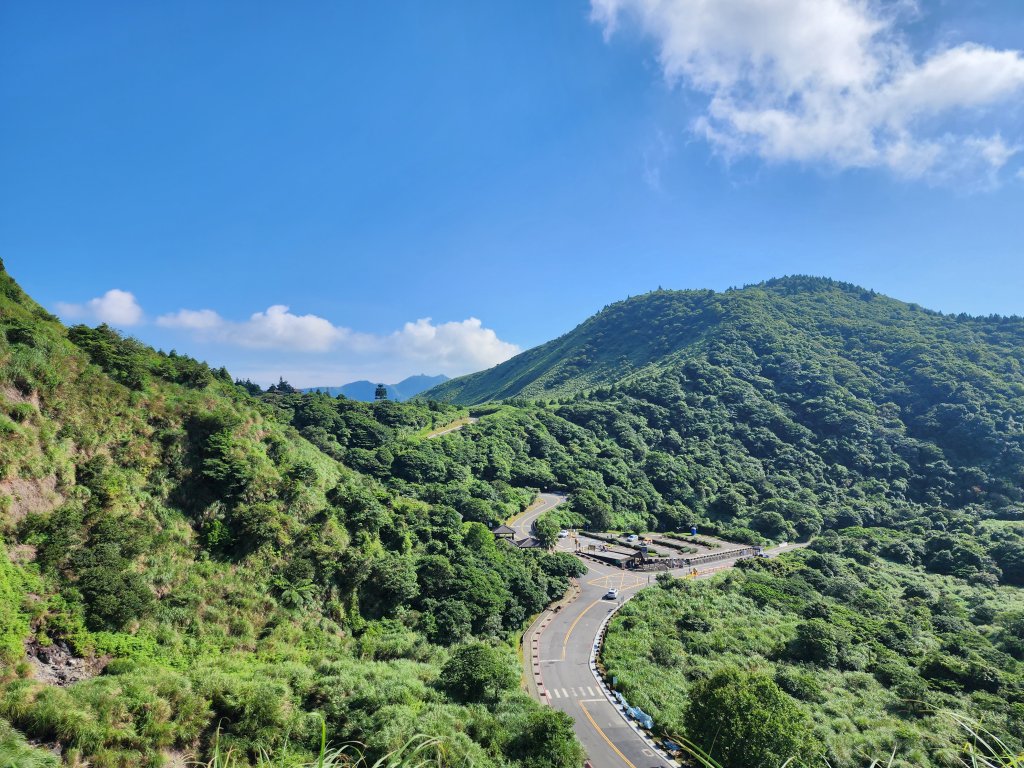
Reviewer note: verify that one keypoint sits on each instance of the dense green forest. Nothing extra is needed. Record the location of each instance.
(185, 552)
(782, 409)
(169, 529)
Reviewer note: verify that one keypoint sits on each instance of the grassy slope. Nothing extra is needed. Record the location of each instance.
(162, 522)
(900, 648)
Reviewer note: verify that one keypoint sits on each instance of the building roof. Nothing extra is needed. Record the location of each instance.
(503, 530)
(529, 543)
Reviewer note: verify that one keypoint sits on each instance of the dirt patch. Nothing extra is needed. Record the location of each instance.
(57, 665)
(20, 554)
(30, 495)
(14, 395)
(176, 759)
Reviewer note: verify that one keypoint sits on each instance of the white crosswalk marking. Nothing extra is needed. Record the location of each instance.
(591, 691)
(566, 695)
(574, 693)
(557, 694)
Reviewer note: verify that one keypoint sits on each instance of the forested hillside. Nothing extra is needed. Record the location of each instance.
(184, 553)
(785, 407)
(875, 344)
(178, 558)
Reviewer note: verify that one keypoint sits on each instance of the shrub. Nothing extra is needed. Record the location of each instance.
(478, 673)
(744, 719)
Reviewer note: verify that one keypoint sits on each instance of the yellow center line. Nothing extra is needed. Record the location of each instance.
(605, 737)
(572, 626)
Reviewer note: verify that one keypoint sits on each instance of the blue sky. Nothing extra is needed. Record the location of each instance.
(186, 170)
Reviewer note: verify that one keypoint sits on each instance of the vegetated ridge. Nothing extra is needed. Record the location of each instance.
(842, 323)
(277, 560)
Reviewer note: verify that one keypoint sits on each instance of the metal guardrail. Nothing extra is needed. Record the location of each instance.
(672, 563)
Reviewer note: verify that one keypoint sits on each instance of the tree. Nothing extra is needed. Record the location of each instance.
(744, 719)
(597, 513)
(546, 530)
(546, 740)
(815, 642)
(478, 673)
(1011, 633)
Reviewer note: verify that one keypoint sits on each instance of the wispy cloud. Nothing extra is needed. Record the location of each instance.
(654, 155)
(831, 82)
(115, 307)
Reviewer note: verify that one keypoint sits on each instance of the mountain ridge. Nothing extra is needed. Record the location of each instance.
(365, 390)
(646, 332)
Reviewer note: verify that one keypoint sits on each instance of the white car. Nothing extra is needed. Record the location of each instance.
(632, 537)
(611, 594)
(563, 534)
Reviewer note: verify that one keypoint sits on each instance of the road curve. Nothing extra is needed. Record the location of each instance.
(522, 524)
(569, 683)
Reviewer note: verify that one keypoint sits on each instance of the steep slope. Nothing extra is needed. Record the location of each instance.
(177, 559)
(624, 337)
(846, 327)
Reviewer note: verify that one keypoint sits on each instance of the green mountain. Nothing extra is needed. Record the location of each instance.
(839, 324)
(179, 561)
(800, 387)
(365, 390)
(182, 554)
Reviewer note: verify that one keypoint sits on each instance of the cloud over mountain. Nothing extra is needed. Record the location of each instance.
(115, 307)
(311, 348)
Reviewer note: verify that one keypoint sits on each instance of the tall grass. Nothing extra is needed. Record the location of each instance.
(417, 752)
(982, 749)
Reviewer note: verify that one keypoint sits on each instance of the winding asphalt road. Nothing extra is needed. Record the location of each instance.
(523, 524)
(565, 650)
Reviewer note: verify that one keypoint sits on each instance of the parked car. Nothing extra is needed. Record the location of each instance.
(632, 537)
(611, 594)
(563, 534)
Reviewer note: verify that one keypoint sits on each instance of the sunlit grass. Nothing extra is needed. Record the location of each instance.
(417, 752)
(981, 749)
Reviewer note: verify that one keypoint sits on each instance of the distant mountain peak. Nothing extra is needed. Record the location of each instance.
(365, 390)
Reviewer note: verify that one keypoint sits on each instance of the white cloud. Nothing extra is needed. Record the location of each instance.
(191, 319)
(452, 348)
(277, 328)
(115, 307)
(830, 81)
